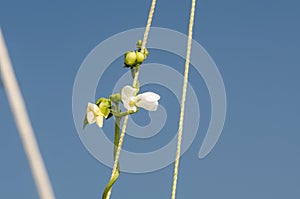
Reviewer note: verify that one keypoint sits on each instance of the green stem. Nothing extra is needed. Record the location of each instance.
(122, 114)
(110, 184)
(116, 143)
(117, 133)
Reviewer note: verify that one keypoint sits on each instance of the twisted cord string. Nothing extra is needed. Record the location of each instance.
(183, 97)
(135, 80)
(22, 120)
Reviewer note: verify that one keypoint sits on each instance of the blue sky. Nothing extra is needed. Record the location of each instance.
(255, 45)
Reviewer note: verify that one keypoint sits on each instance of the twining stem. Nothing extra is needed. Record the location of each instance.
(116, 142)
(111, 183)
(117, 134)
(135, 80)
(117, 129)
(122, 114)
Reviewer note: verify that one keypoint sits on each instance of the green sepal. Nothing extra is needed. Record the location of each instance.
(100, 100)
(85, 122)
(104, 105)
(126, 66)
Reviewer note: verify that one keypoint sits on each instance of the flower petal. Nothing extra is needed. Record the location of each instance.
(90, 117)
(148, 96)
(148, 101)
(128, 106)
(128, 92)
(94, 108)
(150, 106)
(99, 121)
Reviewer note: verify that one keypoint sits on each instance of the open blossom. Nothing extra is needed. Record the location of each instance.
(96, 113)
(131, 101)
(93, 114)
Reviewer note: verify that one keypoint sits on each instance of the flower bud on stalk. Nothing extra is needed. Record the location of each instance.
(130, 58)
(139, 44)
(116, 98)
(140, 57)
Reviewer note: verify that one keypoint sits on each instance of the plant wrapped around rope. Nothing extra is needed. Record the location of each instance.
(132, 100)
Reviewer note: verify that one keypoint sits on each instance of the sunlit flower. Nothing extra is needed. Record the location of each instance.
(96, 113)
(93, 114)
(131, 101)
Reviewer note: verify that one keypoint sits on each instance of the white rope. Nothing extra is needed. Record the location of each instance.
(183, 97)
(23, 124)
(135, 80)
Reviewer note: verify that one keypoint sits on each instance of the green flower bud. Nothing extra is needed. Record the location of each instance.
(140, 57)
(115, 97)
(130, 58)
(139, 44)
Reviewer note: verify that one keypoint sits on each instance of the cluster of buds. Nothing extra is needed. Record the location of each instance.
(129, 96)
(137, 57)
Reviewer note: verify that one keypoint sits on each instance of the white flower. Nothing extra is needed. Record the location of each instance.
(93, 114)
(131, 101)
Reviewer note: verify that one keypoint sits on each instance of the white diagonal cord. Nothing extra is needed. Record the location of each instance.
(183, 97)
(22, 120)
